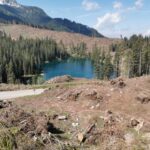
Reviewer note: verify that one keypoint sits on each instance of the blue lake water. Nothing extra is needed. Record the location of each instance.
(74, 67)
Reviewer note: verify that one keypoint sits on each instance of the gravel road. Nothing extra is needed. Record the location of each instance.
(21, 93)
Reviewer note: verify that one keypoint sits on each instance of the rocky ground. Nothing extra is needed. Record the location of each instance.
(92, 115)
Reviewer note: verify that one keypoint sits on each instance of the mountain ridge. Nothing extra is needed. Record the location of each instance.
(13, 12)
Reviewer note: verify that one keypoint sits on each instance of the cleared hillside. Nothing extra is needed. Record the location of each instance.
(80, 115)
(15, 31)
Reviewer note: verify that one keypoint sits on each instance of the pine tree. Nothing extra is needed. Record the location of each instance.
(10, 73)
(108, 67)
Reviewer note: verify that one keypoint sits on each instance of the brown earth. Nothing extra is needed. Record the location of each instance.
(60, 79)
(91, 114)
(15, 31)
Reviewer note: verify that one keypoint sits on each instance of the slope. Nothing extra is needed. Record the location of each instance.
(12, 12)
(15, 31)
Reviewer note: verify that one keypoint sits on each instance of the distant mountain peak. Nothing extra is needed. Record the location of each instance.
(12, 3)
(13, 12)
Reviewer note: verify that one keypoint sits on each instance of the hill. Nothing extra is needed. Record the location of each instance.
(15, 31)
(81, 114)
(13, 12)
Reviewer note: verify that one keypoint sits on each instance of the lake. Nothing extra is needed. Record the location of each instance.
(75, 67)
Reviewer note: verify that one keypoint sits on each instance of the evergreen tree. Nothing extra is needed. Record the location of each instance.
(26, 56)
(108, 67)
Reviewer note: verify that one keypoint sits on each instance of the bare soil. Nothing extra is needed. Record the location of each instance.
(101, 115)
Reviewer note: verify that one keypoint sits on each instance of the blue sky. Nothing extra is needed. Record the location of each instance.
(110, 17)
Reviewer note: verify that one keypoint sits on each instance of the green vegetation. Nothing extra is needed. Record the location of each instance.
(24, 57)
(21, 60)
(36, 17)
(79, 51)
(133, 56)
(102, 63)
(7, 139)
(130, 58)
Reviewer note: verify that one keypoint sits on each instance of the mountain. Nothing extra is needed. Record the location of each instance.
(13, 12)
(12, 3)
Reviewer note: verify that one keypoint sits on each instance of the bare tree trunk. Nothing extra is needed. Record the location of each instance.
(140, 64)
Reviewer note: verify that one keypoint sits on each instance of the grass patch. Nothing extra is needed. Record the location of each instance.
(140, 143)
(7, 139)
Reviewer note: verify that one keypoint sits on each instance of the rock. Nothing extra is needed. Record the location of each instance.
(60, 79)
(80, 137)
(62, 118)
(134, 123)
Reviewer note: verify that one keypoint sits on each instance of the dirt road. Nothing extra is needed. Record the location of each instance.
(21, 93)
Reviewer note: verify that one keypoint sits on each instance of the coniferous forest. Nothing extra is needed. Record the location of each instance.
(25, 57)
(129, 58)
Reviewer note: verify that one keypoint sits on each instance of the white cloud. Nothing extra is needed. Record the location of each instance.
(90, 5)
(147, 33)
(117, 5)
(108, 21)
(139, 3)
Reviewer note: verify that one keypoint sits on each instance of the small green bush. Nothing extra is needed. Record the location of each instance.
(7, 140)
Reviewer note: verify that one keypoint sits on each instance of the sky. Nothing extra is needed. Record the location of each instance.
(112, 18)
